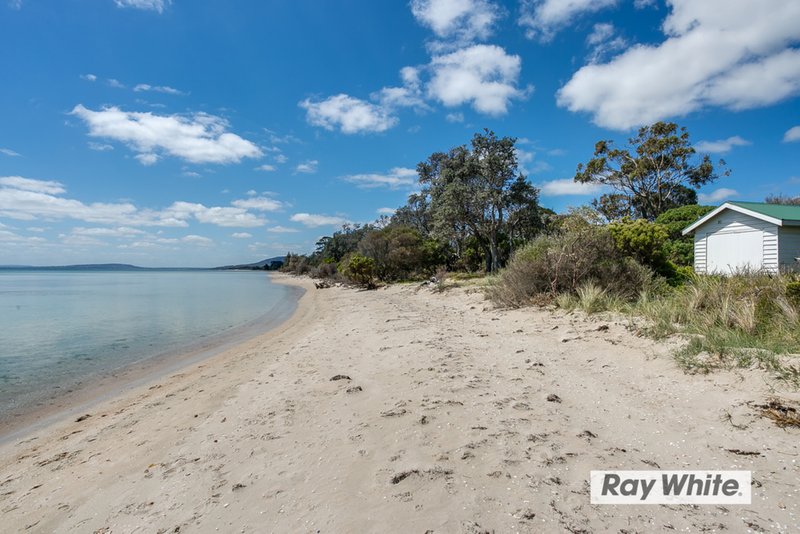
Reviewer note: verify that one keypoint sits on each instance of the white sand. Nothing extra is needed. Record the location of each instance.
(452, 406)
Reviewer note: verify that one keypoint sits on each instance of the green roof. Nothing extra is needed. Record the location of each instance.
(777, 211)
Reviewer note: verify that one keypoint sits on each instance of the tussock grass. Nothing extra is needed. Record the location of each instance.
(737, 321)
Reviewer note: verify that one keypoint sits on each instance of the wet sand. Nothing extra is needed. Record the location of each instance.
(403, 410)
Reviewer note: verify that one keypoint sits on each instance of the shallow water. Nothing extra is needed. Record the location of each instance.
(60, 329)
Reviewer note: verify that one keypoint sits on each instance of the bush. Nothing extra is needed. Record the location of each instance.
(643, 241)
(359, 270)
(561, 263)
(679, 248)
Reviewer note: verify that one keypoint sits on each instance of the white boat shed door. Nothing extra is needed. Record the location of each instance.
(729, 252)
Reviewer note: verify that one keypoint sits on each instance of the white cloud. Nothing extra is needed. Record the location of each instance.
(280, 158)
(348, 114)
(29, 184)
(158, 89)
(199, 138)
(99, 147)
(716, 196)
(241, 235)
(191, 174)
(396, 178)
(314, 220)
(484, 76)
(568, 186)
(307, 167)
(197, 240)
(721, 146)
(120, 231)
(266, 168)
(221, 216)
(151, 5)
(459, 20)
(89, 77)
(719, 53)
(604, 42)
(259, 204)
(9, 152)
(116, 84)
(792, 134)
(543, 18)
(385, 211)
(27, 199)
(282, 230)
(454, 117)
(15, 4)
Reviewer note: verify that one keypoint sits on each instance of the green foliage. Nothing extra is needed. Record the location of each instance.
(657, 172)
(564, 262)
(676, 219)
(476, 192)
(679, 249)
(641, 240)
(359, 270)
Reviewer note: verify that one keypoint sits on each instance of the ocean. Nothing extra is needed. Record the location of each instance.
(62, 330)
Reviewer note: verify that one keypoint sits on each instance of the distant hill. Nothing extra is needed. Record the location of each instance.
(255, 266)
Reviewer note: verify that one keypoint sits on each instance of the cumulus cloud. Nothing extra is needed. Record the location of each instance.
(454, 117)
(721, 146)
(259, 204)
(543, 18)
(266, 168)
(198, 138)
(484, 76)
(29, 184)
(386, 211)
(197, 240)
(396, 178)
(307, 167)
(603, 42)
(312, 220)
(9, 152)
(457, 20)
(716, 196)
(792, 134)
(28, 199)
(241, 235)
(348, 114)
(151, 5)
(718, 53)
(568, 186)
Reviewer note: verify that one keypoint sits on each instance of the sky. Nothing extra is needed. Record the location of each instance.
(200, 133)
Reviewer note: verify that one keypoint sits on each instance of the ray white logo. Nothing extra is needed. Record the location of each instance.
(670, 487)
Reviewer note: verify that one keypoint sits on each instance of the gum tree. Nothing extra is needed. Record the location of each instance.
(657, 171)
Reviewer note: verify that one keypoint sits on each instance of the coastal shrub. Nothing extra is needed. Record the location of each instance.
(679, 249)
(643, 241)
(325, 269)
(561, 263)
(360, 270)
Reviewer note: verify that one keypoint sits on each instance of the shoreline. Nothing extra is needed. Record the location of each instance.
(110, 384)
(405, 410)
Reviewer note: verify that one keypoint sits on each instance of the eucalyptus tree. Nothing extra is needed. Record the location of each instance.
(657, 171)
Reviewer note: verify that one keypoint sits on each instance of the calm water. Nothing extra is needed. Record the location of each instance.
(58, 329)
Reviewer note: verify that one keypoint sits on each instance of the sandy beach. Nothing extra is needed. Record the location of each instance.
(404, 410)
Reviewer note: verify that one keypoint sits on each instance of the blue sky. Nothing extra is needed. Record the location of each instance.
(199, 133)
